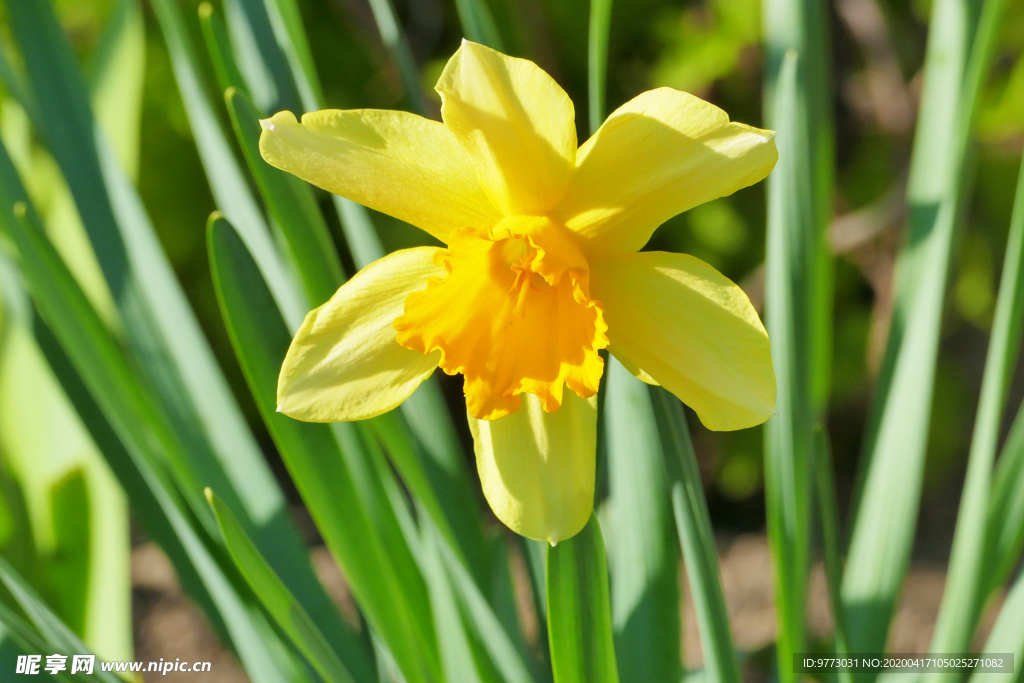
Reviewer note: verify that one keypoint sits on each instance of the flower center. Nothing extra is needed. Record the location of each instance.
(513, 315)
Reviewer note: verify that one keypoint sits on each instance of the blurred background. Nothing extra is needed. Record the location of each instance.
(708, 47)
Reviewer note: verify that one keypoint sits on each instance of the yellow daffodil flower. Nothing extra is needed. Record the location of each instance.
(540, 272)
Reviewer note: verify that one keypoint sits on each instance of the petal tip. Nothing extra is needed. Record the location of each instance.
(267, 124)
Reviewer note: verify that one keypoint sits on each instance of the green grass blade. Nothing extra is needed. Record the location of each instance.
(788, 434)
(969, 565)
(443, 493)
(597, 60)
(286, 22)
(293, 207)
(890, 491)
(145, 435)
(1007, 635)
(644, 570)
(261, 57)
(116, 81)
(70, 530)
(1006, 510)
(56, 291)
(227, 181)
(579, 615)
(804, 27)
(399, 52)
(218, 45)
(494, 636)
(291, 202)
(146, 507)
(425, 411)
(645, 565)
(1005, 522)
(457, 648)
(828, 511)
(276, 598)
(184, 373)
(696, 538)
(478, 23)
(18, 637)
(535, 555)
(798, 294)
(339, 487)
(48, 624)
(438, 452)
(14, 86)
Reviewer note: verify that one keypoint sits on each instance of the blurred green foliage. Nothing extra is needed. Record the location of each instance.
(711, 48)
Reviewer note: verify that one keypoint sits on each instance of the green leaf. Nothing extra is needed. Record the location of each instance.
(72, 528)
(890, 490)
(788, 433)
(286, 22)
(276, 597)
(696, 538)
(116, 81)
(579, 616)
(597, 60)
(164, 339)
(1006, 509)
(828, 510)
(1007, 635)
(457, 649)
(803, 27)
(478, 23)
(292, 206)
(645, 565)
(48, 624)
(398, 50)
(138, 439)
(502, 646)
(443, 493)
(798, 293)
(215, 34)
(259, 48)
(19, 638)
(1005, 523)
(227, 181)
(969, 565)
(340, 486)
(437, 445)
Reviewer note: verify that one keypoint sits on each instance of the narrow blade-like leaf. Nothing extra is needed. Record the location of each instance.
(645, 565)
(890, 481)
(693, 523)
(276, 597)
(579, 614)
(338, 485)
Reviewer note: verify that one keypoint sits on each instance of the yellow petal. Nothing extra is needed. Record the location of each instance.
(394, 162)
(656, 156)
(344, 363)
(515, 122)
(538, 468)
(495, 319)
(679, 320)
